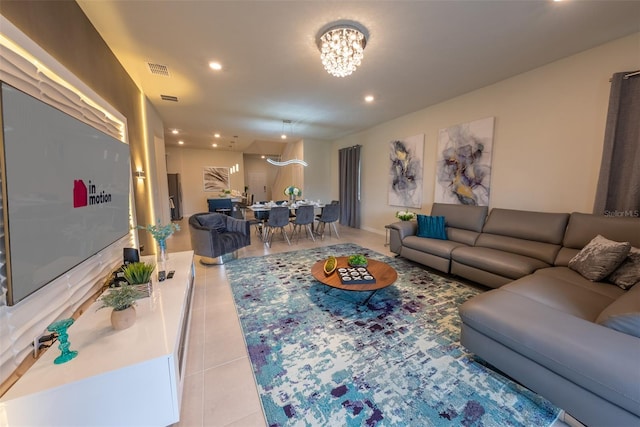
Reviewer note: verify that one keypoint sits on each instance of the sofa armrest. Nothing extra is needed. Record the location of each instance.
(398, 231)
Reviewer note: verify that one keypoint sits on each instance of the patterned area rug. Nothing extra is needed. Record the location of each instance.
(322, 358)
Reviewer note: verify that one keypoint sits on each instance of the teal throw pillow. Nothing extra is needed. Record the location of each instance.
(432, 227)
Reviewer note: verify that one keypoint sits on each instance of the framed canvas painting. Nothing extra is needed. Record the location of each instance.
(464, 163)
(216, 179)
(405, 171)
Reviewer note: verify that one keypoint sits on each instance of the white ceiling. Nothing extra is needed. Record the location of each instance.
(419, 53)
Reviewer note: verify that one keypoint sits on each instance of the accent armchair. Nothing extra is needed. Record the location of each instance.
(217, 237)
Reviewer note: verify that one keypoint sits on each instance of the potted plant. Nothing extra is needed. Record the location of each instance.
(138, 274)
(121, 300)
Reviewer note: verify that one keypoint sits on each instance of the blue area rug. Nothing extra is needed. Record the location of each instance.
(322, 358)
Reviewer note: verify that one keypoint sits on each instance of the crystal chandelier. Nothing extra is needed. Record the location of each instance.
(341, 49)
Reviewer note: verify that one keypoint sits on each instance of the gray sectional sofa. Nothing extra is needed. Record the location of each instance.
(572, 340)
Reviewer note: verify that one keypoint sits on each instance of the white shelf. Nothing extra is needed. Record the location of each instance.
(128, 377)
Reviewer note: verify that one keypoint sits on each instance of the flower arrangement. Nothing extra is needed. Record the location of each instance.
(405, 215)
(292, 191)
(161, 232)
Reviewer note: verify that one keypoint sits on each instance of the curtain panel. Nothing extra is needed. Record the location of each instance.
(618, 191)
(349, 160)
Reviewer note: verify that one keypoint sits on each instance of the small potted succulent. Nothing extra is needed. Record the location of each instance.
(138, 274)
(121, 300)
(357, 260)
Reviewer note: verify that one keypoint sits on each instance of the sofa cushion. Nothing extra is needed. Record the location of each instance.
(441, 248)
(461, 216)
(467, 237)
(575, 278)
(537, 226)
(623, 314)
(599, 258)
(593, 357)
(546, 252)
(584, 227)
(431, 227)
(585, 302)
(628, 273)
(505, 264)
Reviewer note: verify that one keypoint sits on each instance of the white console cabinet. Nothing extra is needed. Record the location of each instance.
(132, 377)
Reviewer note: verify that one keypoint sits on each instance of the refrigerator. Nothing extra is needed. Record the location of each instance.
(175, 196)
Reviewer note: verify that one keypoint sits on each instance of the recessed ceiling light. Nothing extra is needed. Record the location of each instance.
(214, 145)
(283, 136)
(369, 98)
(174, 131)
(181, 142)
(216, 135)
(215, 65)
(262, 157)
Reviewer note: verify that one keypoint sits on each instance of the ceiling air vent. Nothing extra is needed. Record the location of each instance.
(169, 98)
(158, 69)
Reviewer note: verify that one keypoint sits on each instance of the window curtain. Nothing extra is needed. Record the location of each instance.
(349, 159)
(618, 191)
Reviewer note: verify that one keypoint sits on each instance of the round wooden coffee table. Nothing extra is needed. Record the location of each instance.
(384, 274)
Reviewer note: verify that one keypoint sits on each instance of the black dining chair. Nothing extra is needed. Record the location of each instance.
(330, 214)
(278, 218)
(304, 218)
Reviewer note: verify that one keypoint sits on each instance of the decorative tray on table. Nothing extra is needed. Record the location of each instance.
(355, 276)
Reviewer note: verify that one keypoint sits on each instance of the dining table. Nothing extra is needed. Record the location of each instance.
(259, 210)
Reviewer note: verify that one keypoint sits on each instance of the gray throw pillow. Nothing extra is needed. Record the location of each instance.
(599, 258)
(628, 274)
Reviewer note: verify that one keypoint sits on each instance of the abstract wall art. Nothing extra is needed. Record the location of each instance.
(464, 163)
(216, 178)
(405, 171)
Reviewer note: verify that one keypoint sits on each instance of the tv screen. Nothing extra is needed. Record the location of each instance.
(65, 191)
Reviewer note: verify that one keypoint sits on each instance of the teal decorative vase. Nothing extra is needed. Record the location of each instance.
(60, 327)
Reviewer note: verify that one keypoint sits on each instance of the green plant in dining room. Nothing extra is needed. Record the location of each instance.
(138, 273)
(120, 298)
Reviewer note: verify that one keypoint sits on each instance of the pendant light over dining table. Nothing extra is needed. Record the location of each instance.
(342, 48)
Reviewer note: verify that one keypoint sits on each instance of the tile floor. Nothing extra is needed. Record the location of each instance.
(219, 388)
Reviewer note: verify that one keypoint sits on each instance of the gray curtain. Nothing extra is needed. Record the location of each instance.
(350, 186)
(618, 192)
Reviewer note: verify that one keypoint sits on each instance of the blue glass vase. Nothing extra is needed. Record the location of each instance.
(162, 250)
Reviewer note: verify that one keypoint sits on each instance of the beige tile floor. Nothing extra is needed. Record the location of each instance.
(219, 388)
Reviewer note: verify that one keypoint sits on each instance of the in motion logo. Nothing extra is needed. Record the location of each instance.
(84, 195)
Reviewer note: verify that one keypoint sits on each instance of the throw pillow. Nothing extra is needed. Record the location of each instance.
(628, 274)
(599, 258)
(431, 227)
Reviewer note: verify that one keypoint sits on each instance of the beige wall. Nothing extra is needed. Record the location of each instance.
(549, 128)
(317, 181)
(190, 164)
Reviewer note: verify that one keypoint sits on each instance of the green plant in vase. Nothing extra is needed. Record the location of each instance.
(160, 233)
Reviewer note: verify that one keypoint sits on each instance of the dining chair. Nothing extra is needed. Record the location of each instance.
(329, 215)
(304, 218)
(278, 218)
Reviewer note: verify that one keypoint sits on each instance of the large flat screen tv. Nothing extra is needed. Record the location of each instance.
(65, 191)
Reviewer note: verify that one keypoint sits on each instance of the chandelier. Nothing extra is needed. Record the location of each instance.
(341, 49)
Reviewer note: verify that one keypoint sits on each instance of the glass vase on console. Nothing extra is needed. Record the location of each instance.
(163, 256)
